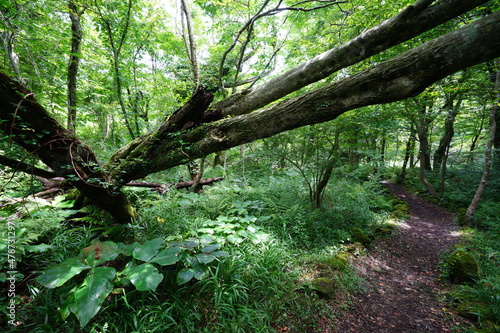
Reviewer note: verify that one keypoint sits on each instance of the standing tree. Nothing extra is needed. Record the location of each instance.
(488, 155)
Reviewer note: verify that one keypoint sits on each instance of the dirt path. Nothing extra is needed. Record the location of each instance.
(401, 277)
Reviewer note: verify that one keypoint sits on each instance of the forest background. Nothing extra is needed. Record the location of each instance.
(97, 95)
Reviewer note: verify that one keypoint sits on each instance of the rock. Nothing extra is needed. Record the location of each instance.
(462, 267)
(324, 287)
(339, 261)
(355, 249)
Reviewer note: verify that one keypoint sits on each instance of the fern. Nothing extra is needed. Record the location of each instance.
(92, 215)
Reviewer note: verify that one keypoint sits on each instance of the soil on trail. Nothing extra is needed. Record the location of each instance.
(401, 276)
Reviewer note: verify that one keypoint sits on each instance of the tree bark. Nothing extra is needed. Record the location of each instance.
(452, 109)
(471, 210)
(21, 166)
(29, 125)
(410, 146)
(74, 61)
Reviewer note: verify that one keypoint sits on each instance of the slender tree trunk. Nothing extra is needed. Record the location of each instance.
(190, 42)
(410, 146)
(74, 61)
(319, 188)
(471, 210)
(475, 138)
(424, 154)
(423, 131)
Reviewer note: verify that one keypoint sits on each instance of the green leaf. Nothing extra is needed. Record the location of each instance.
(92, 293)
(145, 277)
(206, 231)
(185, 275)
(38, 248)
(192, 244)
(221, 254)
(99, 252)
(211, 248)
(57, 276)
(234, 239)
(148, 250)
(205, 258)
(128, 249)
(200, 272)
(167, 257)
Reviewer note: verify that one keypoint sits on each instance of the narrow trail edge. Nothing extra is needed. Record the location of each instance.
(402, 291)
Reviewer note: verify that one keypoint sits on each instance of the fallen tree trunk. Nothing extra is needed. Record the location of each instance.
(54, 186)
(399, 78)
(413, 20)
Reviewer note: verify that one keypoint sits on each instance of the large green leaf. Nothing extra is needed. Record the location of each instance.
(167, 257)
(205, 258)
(99, 252)
(185, 275)
(92, 293)
(57, 276)
(145, 277)
(211, 248)
(148, 250)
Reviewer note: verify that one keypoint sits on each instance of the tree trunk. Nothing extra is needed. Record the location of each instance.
(444, 143)
(471, 210)
(423, 132)
(410, 146)
(317, 194)
(74, 61)
(57, 148)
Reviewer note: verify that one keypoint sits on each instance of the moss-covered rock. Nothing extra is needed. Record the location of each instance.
(400, 209)
(355, 249)
(385, 230)
(360, 236)
(324, 287)
(339, 261)
(462, 267)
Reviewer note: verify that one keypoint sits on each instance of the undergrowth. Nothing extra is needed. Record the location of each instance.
(261, 286)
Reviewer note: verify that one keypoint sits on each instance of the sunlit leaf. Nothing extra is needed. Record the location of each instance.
(185, 275)
(57, 276)
(92, 293)
(145, 277)
(148, 250)
(167, 257)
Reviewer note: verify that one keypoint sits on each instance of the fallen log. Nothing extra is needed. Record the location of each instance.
(59, 184)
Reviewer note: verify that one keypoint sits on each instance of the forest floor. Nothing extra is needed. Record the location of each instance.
(402, 289)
